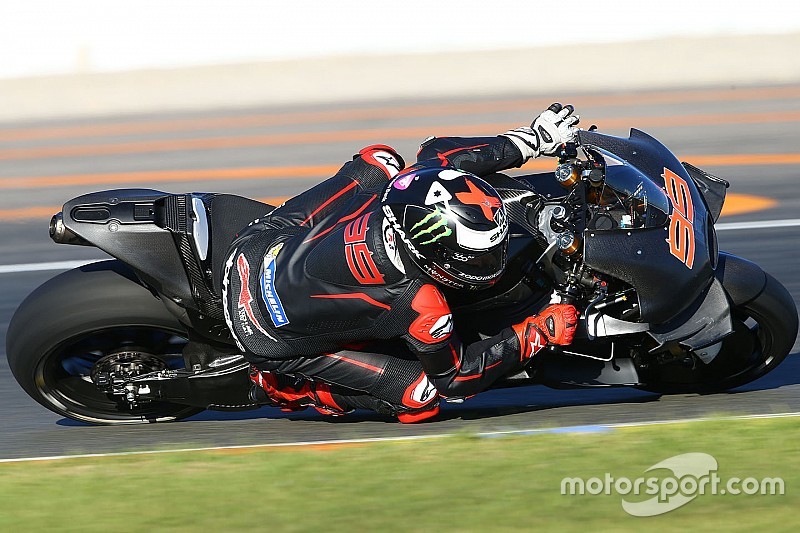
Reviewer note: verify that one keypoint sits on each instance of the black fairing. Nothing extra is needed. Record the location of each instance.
(713, 189)
(701, 324)
(641, 257)
(743, 280)
(122, 223)
(564, 371)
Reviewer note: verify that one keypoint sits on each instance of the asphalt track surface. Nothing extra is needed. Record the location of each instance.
(748, 135)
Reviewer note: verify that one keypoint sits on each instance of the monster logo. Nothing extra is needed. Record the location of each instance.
(437, 228)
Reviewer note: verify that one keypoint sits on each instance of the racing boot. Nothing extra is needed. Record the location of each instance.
(419, 415)
(292, 394)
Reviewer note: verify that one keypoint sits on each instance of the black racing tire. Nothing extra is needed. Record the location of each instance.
(765, 329)
(77, 317)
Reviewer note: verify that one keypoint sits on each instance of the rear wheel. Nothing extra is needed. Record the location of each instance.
(98, 313)
(764, 331)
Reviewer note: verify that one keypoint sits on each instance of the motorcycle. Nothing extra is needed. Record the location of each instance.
(621, 229)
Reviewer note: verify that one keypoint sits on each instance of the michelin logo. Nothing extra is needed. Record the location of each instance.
(268, 293)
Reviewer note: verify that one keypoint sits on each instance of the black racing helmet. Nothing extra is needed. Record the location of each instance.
(452, 223)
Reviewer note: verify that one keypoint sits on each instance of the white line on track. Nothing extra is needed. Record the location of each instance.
(595, 428)
(759, 224)
(39, 267)
(66, 265)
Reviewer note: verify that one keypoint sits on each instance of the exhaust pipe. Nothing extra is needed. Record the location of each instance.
(61, 234)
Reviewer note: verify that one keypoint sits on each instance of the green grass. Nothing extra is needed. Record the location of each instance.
(459, 483)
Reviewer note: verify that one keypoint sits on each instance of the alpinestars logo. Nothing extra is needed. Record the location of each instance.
(246, 315)
(442, 327)
(424, 391)
(382, 159)
(537, 344)
(433, 225)
(419, 393)
(388, 161)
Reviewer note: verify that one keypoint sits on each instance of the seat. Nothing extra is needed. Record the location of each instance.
(228, 215)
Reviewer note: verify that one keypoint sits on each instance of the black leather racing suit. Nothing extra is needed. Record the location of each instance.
(320, 289)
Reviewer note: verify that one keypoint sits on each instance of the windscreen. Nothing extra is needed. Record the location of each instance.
(630, 197)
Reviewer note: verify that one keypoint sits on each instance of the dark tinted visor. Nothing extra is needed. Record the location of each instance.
(481, 269)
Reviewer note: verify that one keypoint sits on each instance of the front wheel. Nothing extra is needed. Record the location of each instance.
(93, 313)
(764, 331)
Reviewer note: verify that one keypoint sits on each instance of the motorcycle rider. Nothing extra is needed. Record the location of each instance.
(334, 296)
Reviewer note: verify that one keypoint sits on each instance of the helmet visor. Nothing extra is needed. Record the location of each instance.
(479, 269)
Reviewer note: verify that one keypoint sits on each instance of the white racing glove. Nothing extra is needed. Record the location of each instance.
(548, 132)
